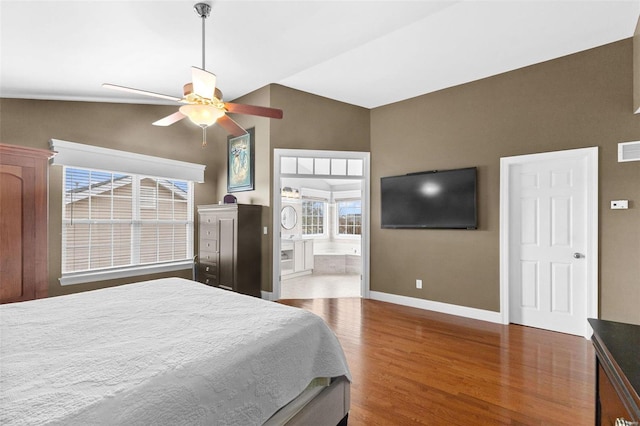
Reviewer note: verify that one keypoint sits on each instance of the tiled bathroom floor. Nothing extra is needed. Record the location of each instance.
(320, 287)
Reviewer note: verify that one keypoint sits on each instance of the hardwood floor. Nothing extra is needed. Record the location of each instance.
(411, 366)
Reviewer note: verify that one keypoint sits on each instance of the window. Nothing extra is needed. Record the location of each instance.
(313, 213)
(349, 214)
(115, 220)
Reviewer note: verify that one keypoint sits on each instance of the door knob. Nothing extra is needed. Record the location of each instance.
(578, 255)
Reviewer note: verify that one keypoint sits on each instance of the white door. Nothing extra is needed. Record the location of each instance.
(550, 243)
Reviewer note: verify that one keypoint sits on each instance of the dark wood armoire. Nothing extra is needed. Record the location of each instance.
(24, 187)
(230, 247)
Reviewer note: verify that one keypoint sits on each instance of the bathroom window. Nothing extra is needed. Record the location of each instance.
(349, 216)
(313, 217)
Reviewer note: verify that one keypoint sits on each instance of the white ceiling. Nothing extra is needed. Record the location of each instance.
(367, 53)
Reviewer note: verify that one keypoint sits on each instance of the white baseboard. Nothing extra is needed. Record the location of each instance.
(445, 308)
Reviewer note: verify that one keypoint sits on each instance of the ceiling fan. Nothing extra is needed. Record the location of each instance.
(202, 100)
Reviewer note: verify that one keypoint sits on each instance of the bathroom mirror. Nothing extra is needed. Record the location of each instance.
(288, 217)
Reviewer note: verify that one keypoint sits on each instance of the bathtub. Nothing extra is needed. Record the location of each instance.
(336, 263)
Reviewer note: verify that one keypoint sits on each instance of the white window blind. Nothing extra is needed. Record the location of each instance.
(114, 221)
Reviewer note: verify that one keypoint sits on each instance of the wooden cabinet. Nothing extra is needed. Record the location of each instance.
(617, 372)
(229, 247)
(24, 183)
(308, 255)
(296, 257)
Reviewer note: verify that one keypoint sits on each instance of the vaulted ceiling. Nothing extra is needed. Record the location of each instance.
(366, 53)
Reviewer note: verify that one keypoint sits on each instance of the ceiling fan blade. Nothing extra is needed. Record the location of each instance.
(170, 119)
(204, 82)
(253, 110)
(231, 126)
(140, 92)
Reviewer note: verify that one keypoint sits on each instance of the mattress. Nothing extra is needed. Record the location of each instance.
(167, 351)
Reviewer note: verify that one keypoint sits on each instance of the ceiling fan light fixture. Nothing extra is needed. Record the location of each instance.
(204, 105)
(202, 115)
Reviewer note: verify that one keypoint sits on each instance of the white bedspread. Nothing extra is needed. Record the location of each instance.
(162, 352)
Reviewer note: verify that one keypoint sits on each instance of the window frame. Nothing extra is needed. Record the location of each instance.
(337, 233)
(135, 268)
(324, 218)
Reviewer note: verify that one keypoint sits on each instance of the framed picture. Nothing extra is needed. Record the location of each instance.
(241, 162)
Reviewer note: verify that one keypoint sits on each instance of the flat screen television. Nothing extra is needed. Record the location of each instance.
(442, 199)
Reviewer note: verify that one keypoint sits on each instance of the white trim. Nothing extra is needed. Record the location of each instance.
(592, 257)
(276, 226)
(315, 194)
(93, 157)
(445, 308)
(628, 151)
(350, 194)
(366, 214)
(366, 227)
(131, 271)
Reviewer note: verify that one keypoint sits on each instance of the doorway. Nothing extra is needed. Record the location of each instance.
(549, 239)
(322, 247)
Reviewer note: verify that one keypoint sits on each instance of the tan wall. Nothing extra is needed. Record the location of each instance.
(581, 100)
(314, 122)
(577, 101)
(261, 195)
(309, 122)
(125, 127)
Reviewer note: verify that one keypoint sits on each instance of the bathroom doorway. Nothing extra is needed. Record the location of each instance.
(322, 248)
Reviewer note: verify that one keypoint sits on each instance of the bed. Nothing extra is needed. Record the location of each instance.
(168, 352)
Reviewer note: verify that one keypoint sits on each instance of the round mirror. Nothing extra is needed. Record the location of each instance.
(288, 217)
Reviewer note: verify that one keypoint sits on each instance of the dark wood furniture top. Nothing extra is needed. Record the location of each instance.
(617, 348)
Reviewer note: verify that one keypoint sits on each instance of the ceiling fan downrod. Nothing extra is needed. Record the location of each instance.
(203, 10)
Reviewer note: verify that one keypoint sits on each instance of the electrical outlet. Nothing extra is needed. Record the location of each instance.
(418, 283)
(620, 204)
(265, 230)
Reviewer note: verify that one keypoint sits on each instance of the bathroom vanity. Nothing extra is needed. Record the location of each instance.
(296, 257)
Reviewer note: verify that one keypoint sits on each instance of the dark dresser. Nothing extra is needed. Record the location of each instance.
(229, 247)
(617, 347)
